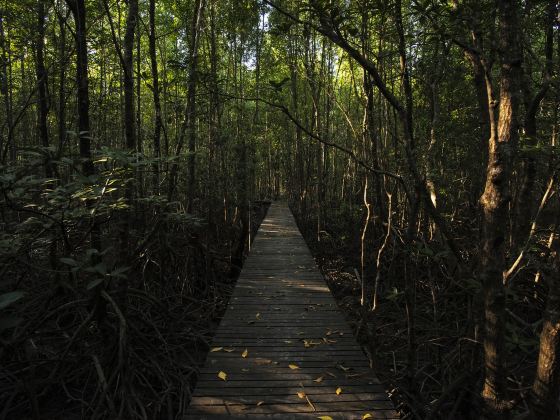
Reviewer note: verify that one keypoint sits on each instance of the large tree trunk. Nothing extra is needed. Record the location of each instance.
(495, 204)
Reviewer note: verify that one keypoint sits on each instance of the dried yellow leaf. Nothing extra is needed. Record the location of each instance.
(229, 350)
(292, 366)
(325, 418)
(222, 375)
(338, 391)
(215, 349)
(367, 416)
(260, 403)
(301, 394)
(245, 353)
(319, 379)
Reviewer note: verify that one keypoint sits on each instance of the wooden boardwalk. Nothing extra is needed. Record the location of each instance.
(283, 349)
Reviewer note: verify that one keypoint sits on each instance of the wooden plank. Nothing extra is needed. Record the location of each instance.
(296, 340)
(287, 399)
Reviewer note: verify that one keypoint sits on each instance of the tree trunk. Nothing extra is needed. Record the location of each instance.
(42, 84)
(128, 47)
(78, 9)
(188, 126)
(62, 18)
(191, 101)
(5, 91)
(494, 206)
(546, 386)
(479, 82)
(158, 122)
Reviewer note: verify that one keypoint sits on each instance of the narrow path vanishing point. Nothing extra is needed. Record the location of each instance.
(283, 349)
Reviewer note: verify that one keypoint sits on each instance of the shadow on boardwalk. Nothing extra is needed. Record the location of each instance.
(283, 349)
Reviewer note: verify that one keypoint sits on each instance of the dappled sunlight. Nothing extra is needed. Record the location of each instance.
(283, 347)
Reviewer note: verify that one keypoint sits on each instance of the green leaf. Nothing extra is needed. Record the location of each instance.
(98, 268)
(94, 283)
(69, 261)
(118, 272)
(8, 298)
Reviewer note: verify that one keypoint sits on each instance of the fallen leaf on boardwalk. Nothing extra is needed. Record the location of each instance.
(309, 343)
(260, 361)
(288, 341)
(331, 374)
(229, 350)
(222, 375)
(345, 369)
(338, 391)
(301, 394)
(245, 370)
(245, 353)
(215, 349)
(258, 315)
(319, 379)
(292, 366)
(260, 403)
(367, 416)
(325, 418)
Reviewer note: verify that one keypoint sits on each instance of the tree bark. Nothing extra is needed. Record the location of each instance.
(546, 386)
(494, 206)
(188, 126)
(158, 122)
(191, 101)
(78, 9)
(5, 91)
(42, 84)
(128, 56)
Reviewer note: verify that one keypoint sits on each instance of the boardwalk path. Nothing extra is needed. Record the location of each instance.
(298, 349)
